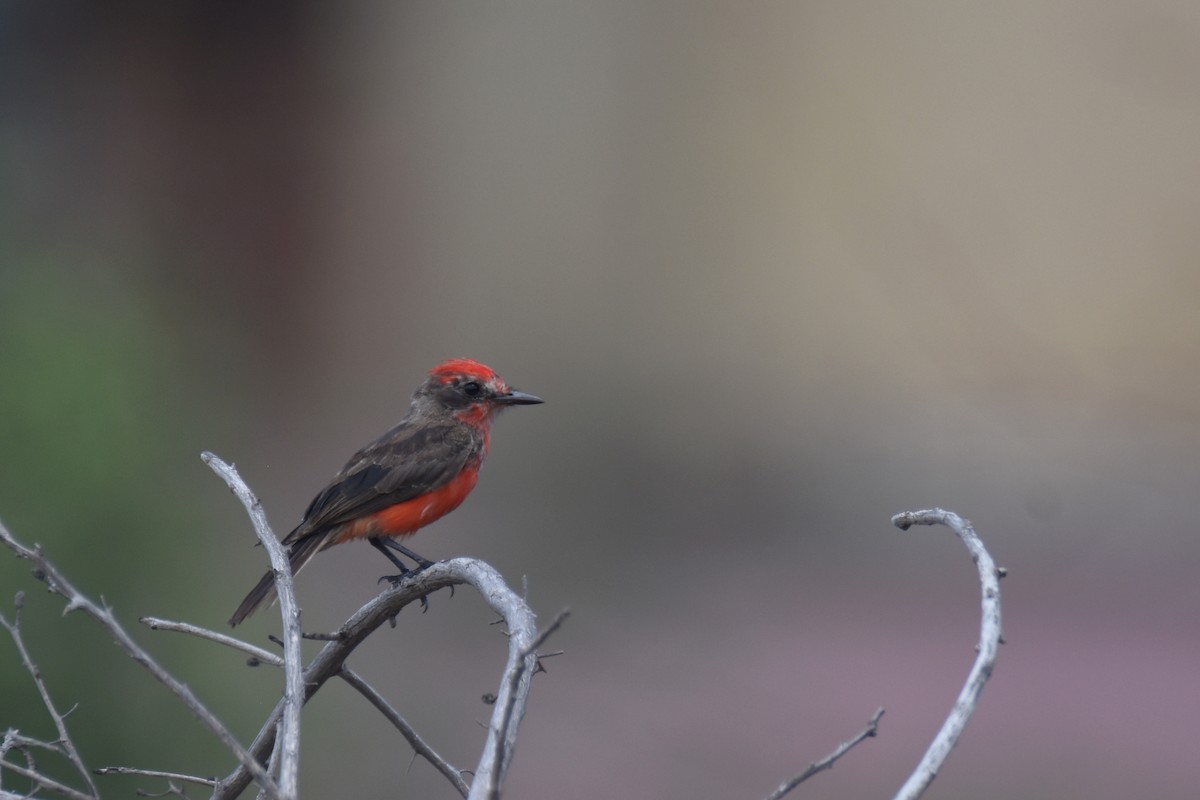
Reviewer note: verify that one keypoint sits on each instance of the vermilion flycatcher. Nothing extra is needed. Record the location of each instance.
(410, 476)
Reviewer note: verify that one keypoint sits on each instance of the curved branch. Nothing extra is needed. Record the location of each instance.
(990, 639)
(289, 763)
(330, 659)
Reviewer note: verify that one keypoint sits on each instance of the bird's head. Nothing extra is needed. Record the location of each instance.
(472, 391)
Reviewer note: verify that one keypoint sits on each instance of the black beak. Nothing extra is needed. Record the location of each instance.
(517, 399)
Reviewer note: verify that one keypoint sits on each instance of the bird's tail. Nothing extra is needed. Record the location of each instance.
(263, 593)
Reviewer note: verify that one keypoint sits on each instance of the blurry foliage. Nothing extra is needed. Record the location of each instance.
(85, 443)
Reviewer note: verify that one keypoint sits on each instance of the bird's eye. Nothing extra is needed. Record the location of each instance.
(472, 389)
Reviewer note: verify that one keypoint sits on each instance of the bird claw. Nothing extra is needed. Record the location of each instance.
(396, 580)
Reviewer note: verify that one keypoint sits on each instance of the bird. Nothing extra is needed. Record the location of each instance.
(414, 474)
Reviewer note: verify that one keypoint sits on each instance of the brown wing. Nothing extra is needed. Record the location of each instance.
(404, 463)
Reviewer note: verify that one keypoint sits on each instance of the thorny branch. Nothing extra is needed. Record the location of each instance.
(64, 742)
(990, 639)
(330, 660)
(509, 704)
(521, 667)
(45, 571)
(353, 679)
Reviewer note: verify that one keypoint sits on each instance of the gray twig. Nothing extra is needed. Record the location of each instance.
(990, 638)
(829, 760)
(266, 656)
(45, 571)
(65, 742)
(40, 781)
(419, 745)
(154, 773)
(293, 689)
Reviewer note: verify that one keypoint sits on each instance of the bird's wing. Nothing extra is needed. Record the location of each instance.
(404, 463)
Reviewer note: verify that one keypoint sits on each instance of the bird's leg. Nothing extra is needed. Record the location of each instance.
(382, 546)
(386, 546)
(422, 563)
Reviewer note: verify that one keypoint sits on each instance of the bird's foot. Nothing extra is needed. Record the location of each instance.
(396, 580)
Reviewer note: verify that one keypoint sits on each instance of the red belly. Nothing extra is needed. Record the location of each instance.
(411, 515)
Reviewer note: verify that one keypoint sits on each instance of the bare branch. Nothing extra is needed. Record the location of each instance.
(259, 654)
(15, 740)
(522, 662)
(510, 704)
(40, 781)
(293, 689)
(330, 659)
(990, 638)
(829, 760)
(414, 739)
(45, 571)
(65, 742)
(154, 773)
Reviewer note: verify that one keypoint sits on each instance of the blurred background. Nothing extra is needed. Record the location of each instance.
(781, 270)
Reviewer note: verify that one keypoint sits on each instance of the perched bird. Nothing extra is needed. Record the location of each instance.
(419, 471)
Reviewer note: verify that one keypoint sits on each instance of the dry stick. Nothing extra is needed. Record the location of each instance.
(15, 740)
(293, 689)
(990, 639)
(259, 654)
(42, 782)
(419, 745)
(329, 661)
(60, 721)
(154, 773)
(829, 760)
(46, 571)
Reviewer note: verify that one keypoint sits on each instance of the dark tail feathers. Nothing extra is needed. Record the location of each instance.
(263, 593)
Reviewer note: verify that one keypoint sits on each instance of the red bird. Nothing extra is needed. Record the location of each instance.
(417, 472)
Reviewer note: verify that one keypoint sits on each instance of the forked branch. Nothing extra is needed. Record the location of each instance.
(45, 571)
(512, 696)
(301, 684)
(64, 741)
